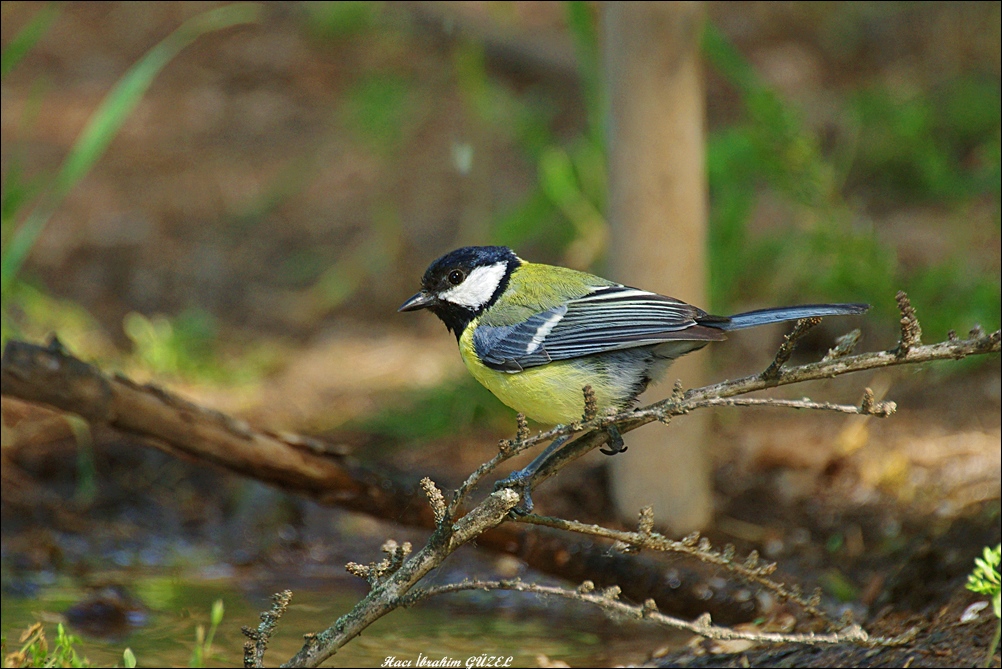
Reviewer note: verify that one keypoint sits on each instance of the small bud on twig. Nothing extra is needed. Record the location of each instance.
(522, 433)
(435, 498)
(646, 524)
(612, 592)
(359, 570)
(866, 406)
(869, 406)
(590, 404)
(911, 331)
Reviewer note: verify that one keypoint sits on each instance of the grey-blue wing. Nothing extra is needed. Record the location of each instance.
(610, 318)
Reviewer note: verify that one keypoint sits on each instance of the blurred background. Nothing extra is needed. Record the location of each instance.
(238, 212)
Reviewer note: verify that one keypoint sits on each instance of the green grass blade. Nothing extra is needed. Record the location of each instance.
(26, 39)
(106, 121)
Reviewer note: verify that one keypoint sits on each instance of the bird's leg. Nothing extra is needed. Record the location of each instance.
(520, 480)
(616, 444)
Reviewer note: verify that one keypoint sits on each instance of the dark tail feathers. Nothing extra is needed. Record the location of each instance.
(752, 319)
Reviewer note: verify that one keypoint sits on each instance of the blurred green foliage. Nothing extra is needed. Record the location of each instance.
(28, 204)
(203, 640)
(340, 19)
(35, 652)
(943, 150)
(937, 148)
(439, 412)
(27, 38)
(165, 346)
(377, 109)
(102, 126)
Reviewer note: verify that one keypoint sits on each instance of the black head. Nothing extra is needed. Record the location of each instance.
(461, 284)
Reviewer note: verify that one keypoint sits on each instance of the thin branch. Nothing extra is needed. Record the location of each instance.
(749, 569)
(378, 571)
(385, 595)
(868, 407)
(803, 326)
(257, 642)
(607, 600)
(306, 466)
(102, 400)
(507, 449)
(979, 344)
(844, 345)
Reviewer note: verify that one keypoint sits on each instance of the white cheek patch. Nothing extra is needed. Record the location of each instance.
(478, 288)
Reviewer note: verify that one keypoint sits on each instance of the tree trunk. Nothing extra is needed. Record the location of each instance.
(657, 211)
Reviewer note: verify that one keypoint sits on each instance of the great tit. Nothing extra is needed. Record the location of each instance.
(535, 335)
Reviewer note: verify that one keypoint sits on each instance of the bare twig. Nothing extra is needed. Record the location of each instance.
(869, 407)
(377, 571)
(979, 344)
(257, 642)
(749, 569)
(607, 600)
(844, 345)
(385, 596)
(803, 326)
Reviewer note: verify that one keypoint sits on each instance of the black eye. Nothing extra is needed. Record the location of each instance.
(456, 277)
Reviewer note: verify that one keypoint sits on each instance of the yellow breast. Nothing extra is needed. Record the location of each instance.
(551, 393)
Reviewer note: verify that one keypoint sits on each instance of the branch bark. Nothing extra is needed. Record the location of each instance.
(307, 466)
(155, 412)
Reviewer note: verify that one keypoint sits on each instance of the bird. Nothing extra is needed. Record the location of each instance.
(535, 335)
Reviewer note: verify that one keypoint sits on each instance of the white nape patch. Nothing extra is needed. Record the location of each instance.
(478, 288)
(543, 330)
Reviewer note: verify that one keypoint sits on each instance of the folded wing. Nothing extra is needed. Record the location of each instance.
(610, 318)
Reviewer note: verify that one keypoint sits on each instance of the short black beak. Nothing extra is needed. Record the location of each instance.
(421, 300)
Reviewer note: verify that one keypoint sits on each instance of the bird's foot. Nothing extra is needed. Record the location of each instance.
(616, 444)
(521, 482)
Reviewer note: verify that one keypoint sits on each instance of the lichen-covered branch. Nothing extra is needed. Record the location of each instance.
(386, 594)
(258, 639)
